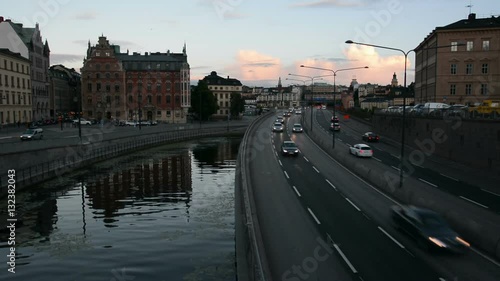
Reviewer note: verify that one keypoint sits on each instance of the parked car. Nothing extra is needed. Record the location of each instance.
(120, 123)
(370, 137)
(428, 228)
(289, 148)
(131, 123)
(298, 111)
(83, 121)
(361, 150)
(32, 134)
(335, 126)
(297, 128)
(278, 127)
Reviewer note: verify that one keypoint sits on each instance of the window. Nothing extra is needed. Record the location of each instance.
(117, 114)
(117, 88)
(158, 100)
(177, 99)
(139, 86)
(468, 68)
(89, 100)
(158, 112)
(6, 80)
(484, 89)
(168, 99)
(107, 54)
(98, 76)
(108, 88)
(454, 46)
(470, 45)
(453, 89)
(150, 99)
(158, 88)
(130, 99)
(484, 68)
(108, 75)
(98, 86)
(453, 68)
(149, 87)
(117, 100)
(486, 45)
(18, 82)
(468, 89)
(129, 87)
(108, 99)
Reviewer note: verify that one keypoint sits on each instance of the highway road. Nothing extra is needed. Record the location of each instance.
(312, 197)
(388, 155)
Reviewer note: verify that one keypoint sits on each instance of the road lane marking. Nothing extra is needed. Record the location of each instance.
(281, 164)
(314, 217)
(395, 168)
(296, 191)
(67, 137)
(276, 153)
(486, 257)
(377, 159)
(422, 180)
(286, 174)
(306, 159)
(394, 156)
(354, 205)
(2, 138)
(392, 238)
(490, 192)
(472, 201)
(316, 169)
(345, 258)
(331, 184)
(449, 177)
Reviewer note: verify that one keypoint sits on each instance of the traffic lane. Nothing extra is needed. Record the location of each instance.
(466, 267)
(448, 184)
(372, 254)
(294, 247)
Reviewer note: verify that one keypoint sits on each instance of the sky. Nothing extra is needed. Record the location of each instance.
(255, 41)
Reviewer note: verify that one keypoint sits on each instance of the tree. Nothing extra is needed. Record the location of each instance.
(203, 101)
(237, 105)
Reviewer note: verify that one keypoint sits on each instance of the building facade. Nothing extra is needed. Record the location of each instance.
(123, 86)
(222, 88)
(466, 70)
(64, 91)
(15, 89)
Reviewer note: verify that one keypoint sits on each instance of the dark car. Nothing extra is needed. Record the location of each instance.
(289, 148)
(335, 119)
(370, 136)
(335, 126)
(428, 228)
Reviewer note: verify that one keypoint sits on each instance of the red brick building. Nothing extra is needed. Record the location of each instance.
(120, 86)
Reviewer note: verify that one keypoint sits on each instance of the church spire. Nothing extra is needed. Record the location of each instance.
(184, 49)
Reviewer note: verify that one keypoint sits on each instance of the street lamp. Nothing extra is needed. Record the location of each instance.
(312, 90)
(334, 90)
(77, 101)
(404, 96)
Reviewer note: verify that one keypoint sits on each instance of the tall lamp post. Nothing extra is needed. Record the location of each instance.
(401, 159)
(312, 90)
(334, 89)
(78, 108)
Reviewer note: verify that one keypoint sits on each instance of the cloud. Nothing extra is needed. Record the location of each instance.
(65, 58)
(251, 65)
(328, 3)
(86, 15)
(232, 15)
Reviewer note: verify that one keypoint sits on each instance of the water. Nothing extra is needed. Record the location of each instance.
(160, 214)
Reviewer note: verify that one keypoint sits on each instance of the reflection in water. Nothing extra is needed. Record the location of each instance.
(161, 214)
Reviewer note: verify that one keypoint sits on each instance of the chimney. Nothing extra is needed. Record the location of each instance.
(472, 16)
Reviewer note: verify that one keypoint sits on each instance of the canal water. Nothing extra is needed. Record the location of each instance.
(161, 214)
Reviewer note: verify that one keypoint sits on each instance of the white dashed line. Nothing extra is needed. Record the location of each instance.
(316, 169)
(354, 205)
(281, 164)
(2, 138)
(394, 156)
(296, 191)
(345, 258)
(276, 153)
(331, 184)
(67, 137)
(449, 177)
(392, 238)
(431, 184)
(306, 159)
(486, 257)
(377, 159)
(472, 201)
(286, 174)
(314, 217)
(395, 168)
(490, 192)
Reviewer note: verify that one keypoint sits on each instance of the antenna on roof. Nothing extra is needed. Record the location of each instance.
(470, 6)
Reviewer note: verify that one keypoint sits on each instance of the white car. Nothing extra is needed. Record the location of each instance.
(297, 128)
(361, 150)
(131, 123)
(32, 134)
(298, 111)
(278, 127)
(83, 121)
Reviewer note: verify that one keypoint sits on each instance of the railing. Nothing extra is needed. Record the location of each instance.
(84, 154)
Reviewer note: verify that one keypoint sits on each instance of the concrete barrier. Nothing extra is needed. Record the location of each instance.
(475, 224)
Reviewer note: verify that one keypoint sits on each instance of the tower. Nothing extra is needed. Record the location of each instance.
(394, 82)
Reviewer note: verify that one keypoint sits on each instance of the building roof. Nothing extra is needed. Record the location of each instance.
(12, 54)
(473, 23)
(374, 100)
(214, 79)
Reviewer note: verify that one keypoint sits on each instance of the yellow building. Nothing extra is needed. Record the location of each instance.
(15, 88)
(222, 88)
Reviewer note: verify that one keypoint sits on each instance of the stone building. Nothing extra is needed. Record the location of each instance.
(64, 91)
(152, 86)
(222, 88)
(466, 69)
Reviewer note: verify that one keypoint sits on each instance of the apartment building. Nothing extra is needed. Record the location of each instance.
(222, 88)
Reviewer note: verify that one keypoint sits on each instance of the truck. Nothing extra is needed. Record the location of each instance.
(486, 107)
(434, 106)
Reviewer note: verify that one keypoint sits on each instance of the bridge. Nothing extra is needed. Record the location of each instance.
(325, 215)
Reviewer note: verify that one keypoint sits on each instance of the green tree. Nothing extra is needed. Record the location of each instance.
(237, 105)
(203, 101)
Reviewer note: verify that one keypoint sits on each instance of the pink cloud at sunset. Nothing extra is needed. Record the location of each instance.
(251, 65)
